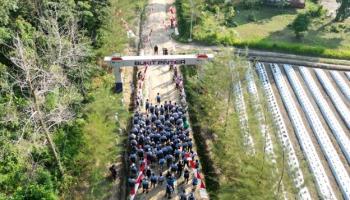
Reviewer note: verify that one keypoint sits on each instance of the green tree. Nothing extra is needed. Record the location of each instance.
(343, 11)
(301, 24)
(211, 97)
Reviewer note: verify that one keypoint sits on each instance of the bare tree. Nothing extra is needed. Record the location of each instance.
(45, 74)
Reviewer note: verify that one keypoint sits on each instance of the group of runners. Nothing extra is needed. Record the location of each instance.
(161, 149)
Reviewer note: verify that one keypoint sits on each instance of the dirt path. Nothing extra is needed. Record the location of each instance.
(331, 6)
(159, 79)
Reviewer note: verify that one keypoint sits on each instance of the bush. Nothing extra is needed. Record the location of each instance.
(252, 17)
(334, 29)
(301, 24)
(231, 23)
(229, 17)
(34, 192)
(342, 26)
(317, 11)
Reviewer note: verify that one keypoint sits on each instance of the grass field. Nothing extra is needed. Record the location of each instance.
(268, 28)
(271, 25)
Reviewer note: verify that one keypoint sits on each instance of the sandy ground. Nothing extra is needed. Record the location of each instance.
(331, 6)
(158, 78)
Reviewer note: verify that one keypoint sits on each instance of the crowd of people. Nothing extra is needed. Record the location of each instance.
(161, 149)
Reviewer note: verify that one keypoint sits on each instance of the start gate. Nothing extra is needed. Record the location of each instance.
(134, 61)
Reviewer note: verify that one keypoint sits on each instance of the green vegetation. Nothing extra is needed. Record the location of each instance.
(231, 172)
(344, 10)
(301, 24)
(103, 120)
(58, 127)
(214, 25)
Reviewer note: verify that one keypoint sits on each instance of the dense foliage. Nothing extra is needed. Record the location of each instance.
(47, 99)
(343, 11)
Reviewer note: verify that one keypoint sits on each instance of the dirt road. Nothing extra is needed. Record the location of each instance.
(159, 79)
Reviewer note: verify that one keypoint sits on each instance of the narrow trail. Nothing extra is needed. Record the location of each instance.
(159, 79)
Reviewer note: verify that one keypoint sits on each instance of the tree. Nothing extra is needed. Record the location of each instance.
(343, 11)
(47, 62)
(211, 102)
(301, 24)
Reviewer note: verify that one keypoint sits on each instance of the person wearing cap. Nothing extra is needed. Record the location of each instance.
(148, 172)
(168, 191)
(196, 165)
(151, 108)
(161, 163)
(191, 196)
(189, 144)
(153, 180)
(194, 182)
(183, 195)
(156, 49)
(186, 175)
(133, 158)
(147, 105)
(156, 110)
(171, 181)
(133, 170)
(145, 185)
(160, 178)
(161, 110)
(158, 98)
(173, 168)
(180, 167)
(170, 106)
(131, 182)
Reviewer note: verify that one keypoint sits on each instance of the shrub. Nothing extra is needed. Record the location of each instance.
(230, 13)
(34, 192)
(231, 23)
(301, 24)
(342, 26)
(317, 11)
(334, 29)
(347, 29)
(252, 17)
